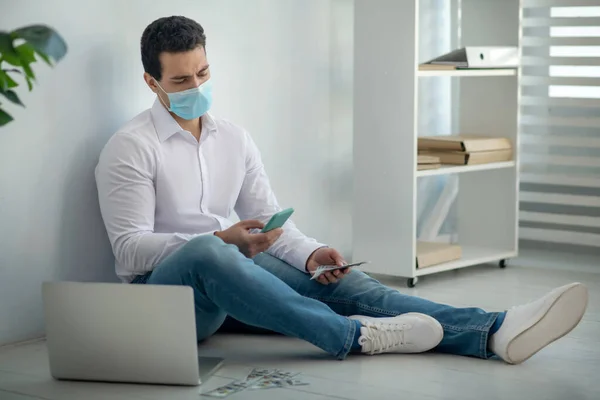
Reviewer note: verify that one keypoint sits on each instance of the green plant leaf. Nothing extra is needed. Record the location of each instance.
(44, 40)
(28, 72)
(6, 82)
(7, 51)
(27, 53)
(5, 117)
(11, 82)
(45, 58)
(29, 82)
(12, 96)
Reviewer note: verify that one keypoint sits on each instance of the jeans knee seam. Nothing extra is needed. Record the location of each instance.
(355, 303)
(452, 328)
(375, 309)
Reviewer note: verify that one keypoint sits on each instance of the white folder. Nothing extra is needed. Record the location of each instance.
(480, 57)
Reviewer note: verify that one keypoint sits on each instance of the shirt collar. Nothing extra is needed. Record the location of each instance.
(166, 126)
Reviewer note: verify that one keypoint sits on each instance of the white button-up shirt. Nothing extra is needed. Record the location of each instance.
(159, 187)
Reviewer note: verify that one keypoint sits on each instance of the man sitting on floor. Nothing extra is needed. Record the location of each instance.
(169, 179)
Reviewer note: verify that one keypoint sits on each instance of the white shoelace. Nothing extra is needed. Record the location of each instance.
(378, 338)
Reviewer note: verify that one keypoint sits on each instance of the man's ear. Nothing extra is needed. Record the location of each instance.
(151, 82)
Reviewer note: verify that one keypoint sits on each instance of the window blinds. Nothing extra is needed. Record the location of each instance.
(559, 125)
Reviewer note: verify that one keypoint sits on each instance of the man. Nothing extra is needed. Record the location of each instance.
(168, 181)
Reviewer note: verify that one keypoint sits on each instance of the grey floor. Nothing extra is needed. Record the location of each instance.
(568, 369)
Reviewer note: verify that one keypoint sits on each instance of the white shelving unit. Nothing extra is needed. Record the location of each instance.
(464, 72)
(457, 169)
(386, 82)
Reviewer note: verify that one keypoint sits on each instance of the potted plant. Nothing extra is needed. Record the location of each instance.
(18, 50)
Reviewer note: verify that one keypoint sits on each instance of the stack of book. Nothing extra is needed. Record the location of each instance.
(430, 254)
(428, 162)
(466, 149)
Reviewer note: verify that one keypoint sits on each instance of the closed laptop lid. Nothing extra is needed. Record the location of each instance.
(121, 332)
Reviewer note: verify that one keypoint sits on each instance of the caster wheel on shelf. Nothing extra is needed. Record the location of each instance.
(502, 264)
(412, 282)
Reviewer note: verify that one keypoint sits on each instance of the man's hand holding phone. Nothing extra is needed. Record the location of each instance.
(250, 244)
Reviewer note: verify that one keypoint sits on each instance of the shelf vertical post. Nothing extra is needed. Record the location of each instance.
(384, 135)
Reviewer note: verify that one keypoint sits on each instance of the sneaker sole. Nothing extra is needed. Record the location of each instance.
(560, 318)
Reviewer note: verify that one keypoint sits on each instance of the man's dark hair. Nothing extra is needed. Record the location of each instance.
(172, 35)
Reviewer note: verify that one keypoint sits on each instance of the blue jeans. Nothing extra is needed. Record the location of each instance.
(266, 292)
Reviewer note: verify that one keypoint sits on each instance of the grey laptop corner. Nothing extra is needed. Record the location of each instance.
(115, 332)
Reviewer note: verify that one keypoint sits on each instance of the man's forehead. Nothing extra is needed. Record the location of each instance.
(183, 62)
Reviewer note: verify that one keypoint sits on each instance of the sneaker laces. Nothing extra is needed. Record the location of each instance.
(378, 338)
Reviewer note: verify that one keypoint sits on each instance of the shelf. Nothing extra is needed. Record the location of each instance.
(484, 204)
(471, 255)
(456, 169)
(469, 72)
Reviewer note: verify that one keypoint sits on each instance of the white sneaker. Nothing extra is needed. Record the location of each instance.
(530, 327)
(406, 333)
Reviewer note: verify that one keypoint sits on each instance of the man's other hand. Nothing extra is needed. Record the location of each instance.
(249, 244)
(327, 256)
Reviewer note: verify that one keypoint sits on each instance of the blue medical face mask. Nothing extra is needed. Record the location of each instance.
(192, 103)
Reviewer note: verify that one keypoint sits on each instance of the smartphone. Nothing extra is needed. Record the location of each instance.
(278, 220)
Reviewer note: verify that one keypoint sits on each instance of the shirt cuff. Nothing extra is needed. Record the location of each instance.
(299, 256)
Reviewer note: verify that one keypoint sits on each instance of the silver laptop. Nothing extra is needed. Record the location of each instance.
(116, 332)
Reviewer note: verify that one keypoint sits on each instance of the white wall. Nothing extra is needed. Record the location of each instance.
(282, 68)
